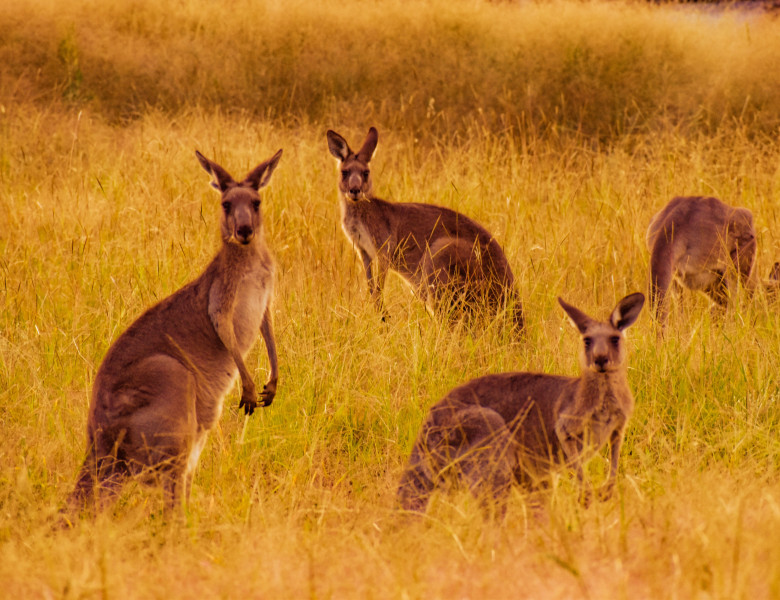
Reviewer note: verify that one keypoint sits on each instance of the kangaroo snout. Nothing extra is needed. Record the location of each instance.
(244, 234)
(601, 363)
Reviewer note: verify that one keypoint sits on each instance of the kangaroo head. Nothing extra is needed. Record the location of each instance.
(355, 180)
(603, 347)
(241, 219)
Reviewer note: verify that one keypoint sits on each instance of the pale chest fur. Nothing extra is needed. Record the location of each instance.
(354, 227)
(245, 301)
(609, 406)
(700, 280)
(700, 265)
(252, 298)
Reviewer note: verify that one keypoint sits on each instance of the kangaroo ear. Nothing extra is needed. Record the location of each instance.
(222, 179)
(366, 153)
(338, 146)
(261, 174)
(627, 311)
(578, 318)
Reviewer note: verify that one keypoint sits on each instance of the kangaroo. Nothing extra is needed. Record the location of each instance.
(440, 253)
(705, 245)
(519, 427)
(161, 386)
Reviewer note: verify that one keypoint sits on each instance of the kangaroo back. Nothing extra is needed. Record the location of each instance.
(522, 426)
(161, 385)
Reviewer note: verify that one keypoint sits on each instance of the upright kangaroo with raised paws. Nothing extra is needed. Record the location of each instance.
(161, 386)
(440, 253)
(704, 244)
(520, 426)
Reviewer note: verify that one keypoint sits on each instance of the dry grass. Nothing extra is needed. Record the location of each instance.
(102, 215)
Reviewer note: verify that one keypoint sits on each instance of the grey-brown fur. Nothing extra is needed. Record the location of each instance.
(438, 251)
(702, 243)
(161, 386)
(518, 427)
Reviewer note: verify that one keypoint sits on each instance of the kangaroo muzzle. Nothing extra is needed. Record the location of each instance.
(355, 187)
(244, 234)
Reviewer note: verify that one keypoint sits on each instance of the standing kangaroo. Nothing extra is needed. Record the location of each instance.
(703, 243)
(440, 253)
(522, 425)
(161, 386)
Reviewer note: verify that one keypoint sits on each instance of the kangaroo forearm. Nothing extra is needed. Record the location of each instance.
(266, 329)
(224, 328)
(246, 379)
(615, 447)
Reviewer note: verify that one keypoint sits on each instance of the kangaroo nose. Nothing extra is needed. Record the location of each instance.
(354, 192)
(601, 362)
(244, 232)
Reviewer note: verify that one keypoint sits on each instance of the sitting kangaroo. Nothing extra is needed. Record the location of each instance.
(704, 244)
(161, 386)
(521, 426)
(440, 253)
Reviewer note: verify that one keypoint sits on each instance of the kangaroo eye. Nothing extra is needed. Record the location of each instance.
(588, 342)
(615, 340)
(366, 174)
(256, 205)
(226, 207)
(345, 174)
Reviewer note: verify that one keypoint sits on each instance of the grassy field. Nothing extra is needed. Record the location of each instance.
(562, 127)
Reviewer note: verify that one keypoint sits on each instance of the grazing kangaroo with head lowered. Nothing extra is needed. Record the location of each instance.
(704, 244)
(520, 426)
(161, 386)
(440, 253)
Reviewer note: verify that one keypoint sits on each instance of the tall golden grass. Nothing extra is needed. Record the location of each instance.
(603, 69)
(561, 127)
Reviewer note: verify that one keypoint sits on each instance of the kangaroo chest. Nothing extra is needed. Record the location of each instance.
(243, 298)
(609, 408)
(252, 297)
(606, 418)
(354, 220)
(700, 267)
(701, 276)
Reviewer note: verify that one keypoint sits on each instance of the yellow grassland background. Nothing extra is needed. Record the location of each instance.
(561, 126)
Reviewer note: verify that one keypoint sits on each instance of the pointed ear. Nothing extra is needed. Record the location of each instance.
(338, 146)
(261, 174)
(366, 153)
(222, 179)
(578, 318)
(627, 311)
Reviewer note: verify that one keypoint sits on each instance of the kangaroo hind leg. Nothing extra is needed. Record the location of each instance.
(162, 442)
(487, 458)
(452, 276)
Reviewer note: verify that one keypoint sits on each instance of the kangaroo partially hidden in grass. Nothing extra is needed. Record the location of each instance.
(161, 386)
(442, 254)
(702, 243)
(519, 427)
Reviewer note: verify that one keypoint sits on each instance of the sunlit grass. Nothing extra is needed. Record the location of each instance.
(101, 215)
